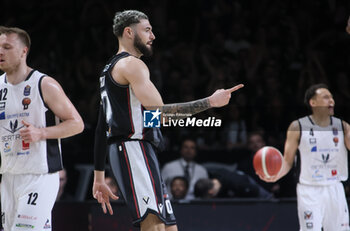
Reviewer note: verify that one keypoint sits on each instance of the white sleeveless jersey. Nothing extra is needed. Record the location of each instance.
(323, 155)
(24, 102)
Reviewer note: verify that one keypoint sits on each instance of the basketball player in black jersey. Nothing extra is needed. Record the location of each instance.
(126, 90)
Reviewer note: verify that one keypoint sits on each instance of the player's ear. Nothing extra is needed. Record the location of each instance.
(128, 32)
(25, 51)
(312, 102)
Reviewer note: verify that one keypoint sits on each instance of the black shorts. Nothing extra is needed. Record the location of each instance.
(136, 169)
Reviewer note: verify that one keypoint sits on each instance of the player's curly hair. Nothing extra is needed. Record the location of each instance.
(126, 18)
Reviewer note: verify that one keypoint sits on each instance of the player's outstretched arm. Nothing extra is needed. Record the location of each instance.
(220, 98)
(348, 26)
(62, 107)
(134, 72)
(101, 192)
(290, 148)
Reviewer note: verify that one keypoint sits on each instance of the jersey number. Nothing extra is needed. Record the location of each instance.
(105, 100)
(3, 94)
(168, 207)
(32, 198)
(311, 132)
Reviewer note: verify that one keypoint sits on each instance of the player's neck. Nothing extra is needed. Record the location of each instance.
(18, 74)
(322, 120)
(129, 49)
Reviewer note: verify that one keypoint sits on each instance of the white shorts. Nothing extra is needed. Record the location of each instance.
(322, 206)
(27, 201)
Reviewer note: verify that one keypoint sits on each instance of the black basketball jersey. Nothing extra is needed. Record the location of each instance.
(122, 110)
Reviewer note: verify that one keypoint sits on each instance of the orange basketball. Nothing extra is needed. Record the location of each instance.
(267, 161)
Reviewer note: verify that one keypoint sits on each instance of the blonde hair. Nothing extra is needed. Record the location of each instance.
(22, 34)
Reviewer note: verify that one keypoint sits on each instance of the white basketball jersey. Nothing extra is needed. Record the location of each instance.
(20, 102)
(323, 155)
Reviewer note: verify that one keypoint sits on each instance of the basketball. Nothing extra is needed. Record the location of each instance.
(267, 161)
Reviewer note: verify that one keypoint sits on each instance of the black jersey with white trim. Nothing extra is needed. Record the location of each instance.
(122, 110)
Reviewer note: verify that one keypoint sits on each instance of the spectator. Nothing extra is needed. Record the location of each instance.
(225, 183)
(179, 187)
(185, 166)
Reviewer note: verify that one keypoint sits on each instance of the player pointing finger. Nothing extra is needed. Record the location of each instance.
(222, 97)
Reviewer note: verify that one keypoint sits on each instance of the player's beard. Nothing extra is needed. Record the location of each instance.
(142, 47)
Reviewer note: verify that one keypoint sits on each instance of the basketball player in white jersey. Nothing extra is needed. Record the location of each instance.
(322, 140)
(31, 107)
(126, 90)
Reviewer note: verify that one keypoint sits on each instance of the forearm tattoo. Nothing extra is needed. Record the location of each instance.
(183, 110)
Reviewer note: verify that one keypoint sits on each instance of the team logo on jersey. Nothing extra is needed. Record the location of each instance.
(314, 149)
(26, 91)
(27, 217)
(2, 106)
(13, 127)
(325, 158)
(26, 101)
(317, 174)
(308, 215)
(21, 225)
(25, 146)
(312, 140)
(335, 140)
(2, 115)
(151, 118)
(334, 172)
(47, 224)
(145, 199)
(7, 148)
(335, 131)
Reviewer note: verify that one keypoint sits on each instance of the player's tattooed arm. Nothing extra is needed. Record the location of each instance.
(219, 98)
(183, 110)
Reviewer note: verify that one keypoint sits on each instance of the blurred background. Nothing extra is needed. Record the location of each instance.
(276, 48)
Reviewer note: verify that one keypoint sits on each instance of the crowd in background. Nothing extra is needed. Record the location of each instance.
(276, 48)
